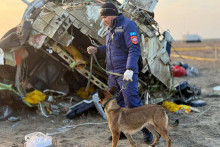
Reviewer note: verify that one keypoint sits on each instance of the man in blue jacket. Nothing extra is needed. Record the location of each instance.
(122, 51)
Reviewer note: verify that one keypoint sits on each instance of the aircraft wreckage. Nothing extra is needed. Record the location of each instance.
(48, 51)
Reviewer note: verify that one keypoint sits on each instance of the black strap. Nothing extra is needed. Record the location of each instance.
(116, 95)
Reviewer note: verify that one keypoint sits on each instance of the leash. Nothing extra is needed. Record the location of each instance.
(113, 73)
(117, 95)
(99, 66)
(94, 56)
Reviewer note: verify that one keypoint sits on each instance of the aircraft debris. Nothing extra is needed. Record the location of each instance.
(48, 50)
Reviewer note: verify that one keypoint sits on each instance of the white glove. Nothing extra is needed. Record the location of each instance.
(128, 75)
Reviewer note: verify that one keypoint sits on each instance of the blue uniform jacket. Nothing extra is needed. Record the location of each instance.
(122, 46)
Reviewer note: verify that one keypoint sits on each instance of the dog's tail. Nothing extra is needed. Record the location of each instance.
(175, 124)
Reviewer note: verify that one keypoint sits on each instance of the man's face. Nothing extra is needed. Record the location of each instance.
(108, 20)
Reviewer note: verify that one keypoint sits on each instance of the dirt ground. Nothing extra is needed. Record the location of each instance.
(195, 129)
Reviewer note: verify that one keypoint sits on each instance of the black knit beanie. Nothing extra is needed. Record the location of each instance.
(109, 9)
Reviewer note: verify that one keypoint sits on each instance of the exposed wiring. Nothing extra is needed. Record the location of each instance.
(207, 110)
(69, 127)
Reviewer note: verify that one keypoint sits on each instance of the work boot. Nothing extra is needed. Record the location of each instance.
(148, 136)
(122, 137)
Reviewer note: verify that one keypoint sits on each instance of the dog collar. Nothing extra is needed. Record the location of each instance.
(108, 102)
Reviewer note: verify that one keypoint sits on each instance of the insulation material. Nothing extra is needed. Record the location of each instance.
(35, 97)
(63, 54)
(85, 94)
(37, 40)
(173, 107)
(80, 62)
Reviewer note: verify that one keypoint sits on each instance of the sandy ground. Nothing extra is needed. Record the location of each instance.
(195, 129)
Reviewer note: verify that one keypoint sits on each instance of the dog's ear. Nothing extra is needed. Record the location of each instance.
(112, 90)
(101, 94)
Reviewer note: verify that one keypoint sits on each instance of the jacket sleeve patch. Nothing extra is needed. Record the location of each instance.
(134, 39)
(133, 34)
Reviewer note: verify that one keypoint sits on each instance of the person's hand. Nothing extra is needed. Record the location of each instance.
(128, 75)
(90, 48)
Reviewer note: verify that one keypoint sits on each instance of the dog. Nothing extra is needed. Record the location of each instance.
(131, 120)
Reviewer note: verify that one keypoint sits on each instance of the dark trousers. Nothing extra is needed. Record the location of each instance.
(129, 96)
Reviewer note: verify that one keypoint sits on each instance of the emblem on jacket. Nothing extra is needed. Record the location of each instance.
(119, 29)
(134, 38)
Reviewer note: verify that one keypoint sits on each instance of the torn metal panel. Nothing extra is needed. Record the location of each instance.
(77, 24)
(47, 15)
(39, 25)
(89, 23)
(9, 58)
(49, 31)
(50, 6)
(31, 7)
(147, 5)
(1, 57)
(54, 22)
(85, 30)
(147, 30)
(88, 20)
(158, 61)
(63, 37)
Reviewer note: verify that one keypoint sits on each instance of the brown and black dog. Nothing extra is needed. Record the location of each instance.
(131, 120)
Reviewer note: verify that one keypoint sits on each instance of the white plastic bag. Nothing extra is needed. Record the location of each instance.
(37, 139)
